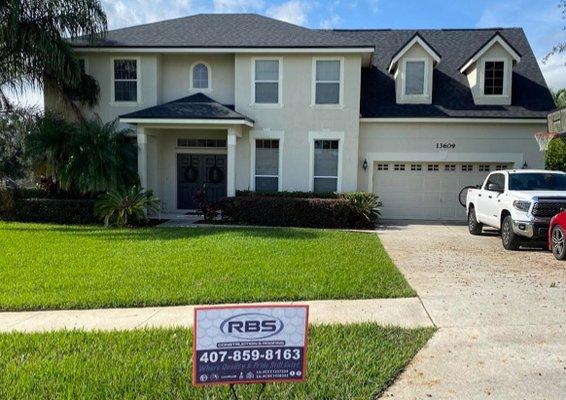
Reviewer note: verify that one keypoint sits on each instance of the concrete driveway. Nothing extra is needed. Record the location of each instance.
(501, 315)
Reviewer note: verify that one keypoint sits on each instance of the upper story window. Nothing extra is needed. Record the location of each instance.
(125, 77)
(328, 82)
(415, 78)
(200, 76)
(493, 77)
(267, 85)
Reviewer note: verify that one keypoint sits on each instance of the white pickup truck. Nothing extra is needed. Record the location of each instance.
(520, 203)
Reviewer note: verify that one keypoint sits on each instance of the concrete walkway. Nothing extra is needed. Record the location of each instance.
(405, 312)
(501, 316)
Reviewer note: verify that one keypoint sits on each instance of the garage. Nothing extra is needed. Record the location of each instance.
(426, 191)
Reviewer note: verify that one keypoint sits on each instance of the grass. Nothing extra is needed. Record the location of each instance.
(73, 267)
(345, 362)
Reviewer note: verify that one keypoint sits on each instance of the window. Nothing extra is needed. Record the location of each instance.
(399, 167)
(217, 143)
(383, 167)
(450, 167)
(325, 166)
(498, 179)
(493, 77)
(416, 167)
(432, 167)
(267, 165)
(200, 77)
(537, 181)
(414, 77)
(126, 80)
(500, 167)
(266, 82)
(467, 168)
(327, 82)
(484, 168)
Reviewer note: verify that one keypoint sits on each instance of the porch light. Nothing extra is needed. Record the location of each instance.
(525, 165)
(365, 165)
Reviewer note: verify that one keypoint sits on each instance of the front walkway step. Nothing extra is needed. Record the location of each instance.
(404, 312)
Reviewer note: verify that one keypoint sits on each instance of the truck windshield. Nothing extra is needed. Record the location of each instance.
(537, 181)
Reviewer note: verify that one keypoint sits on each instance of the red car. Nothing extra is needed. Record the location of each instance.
(557, 236)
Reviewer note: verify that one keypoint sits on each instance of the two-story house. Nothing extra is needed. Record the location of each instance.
(245, 102)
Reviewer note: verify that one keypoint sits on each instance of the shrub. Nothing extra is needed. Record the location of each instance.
(7, 203)
(125, 206)
(555, 158)
(60, 211)
(351, 210)
(303, 195)
(209, 210)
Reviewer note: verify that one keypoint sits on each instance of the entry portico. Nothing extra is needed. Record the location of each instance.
(185, 145)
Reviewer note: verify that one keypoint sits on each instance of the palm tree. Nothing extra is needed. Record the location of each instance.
(88, 158)
(34, 47)
(125, 205)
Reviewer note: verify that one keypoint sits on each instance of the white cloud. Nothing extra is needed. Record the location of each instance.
(374, 5)
(330, 22)
(237, 6)
(554, 71)
(293, 11)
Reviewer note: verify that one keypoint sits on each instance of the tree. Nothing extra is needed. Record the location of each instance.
(87, 158)
(555, 157)
(561, 46)
(560, 98)
(34, 47)
(14, 128)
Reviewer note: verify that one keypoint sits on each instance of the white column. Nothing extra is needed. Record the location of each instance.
(142, 156)
(231, 160)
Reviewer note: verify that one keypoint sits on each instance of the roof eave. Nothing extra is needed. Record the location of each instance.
(416, 39)
(188, 121)
(496, 38)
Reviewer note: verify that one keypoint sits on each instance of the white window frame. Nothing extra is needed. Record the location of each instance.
(279, 104)
(326, 135)
(506, 90)
(266, 134)
(138, 82)
(314, 81)
(194, 89)
(425, 83)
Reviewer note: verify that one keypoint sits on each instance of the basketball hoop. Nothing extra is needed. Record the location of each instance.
(544, 138)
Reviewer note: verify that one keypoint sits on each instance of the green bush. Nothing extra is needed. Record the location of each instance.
(302, 195)
(352, 210)
(60, 211)
(7, 203)
(125, 206)
(555, 158)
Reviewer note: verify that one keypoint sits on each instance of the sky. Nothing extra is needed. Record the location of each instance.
(541, 19)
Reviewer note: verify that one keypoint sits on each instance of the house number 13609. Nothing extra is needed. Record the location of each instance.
(446, 145)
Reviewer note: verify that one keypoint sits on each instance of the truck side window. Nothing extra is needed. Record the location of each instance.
(498, 179)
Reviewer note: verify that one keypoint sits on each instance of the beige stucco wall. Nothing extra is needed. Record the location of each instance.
(296, 117)
(473, 141)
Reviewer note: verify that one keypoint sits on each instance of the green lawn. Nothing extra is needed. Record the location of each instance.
(344, 362)
(60, 267)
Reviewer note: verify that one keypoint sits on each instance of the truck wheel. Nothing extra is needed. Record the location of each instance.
(474, 226)
(558, 243)
(510, 240)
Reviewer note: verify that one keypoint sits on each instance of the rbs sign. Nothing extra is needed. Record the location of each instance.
(249, 344)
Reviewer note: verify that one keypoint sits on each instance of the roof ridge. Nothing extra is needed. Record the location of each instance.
(422, 29)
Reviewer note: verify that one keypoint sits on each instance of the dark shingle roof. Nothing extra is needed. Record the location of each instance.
(451, 95)
(196, 106)
(221, 30)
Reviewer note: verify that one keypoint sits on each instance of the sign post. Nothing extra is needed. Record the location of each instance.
(250, 344)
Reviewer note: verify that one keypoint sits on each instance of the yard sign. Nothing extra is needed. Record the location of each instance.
(250, 344)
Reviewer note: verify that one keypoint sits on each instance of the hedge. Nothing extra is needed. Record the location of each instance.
(60, 211)
(343, 212)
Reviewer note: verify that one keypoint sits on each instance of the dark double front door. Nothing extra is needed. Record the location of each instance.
(198, 171)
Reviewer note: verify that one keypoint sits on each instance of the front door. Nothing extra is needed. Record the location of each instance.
(200, 171)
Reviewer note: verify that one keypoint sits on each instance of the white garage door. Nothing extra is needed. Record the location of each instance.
(427, 191)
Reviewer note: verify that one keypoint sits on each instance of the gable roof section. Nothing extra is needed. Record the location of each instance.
(221, 31)
(496, 38)
(416, 39)
(451, 94)
(195, 107)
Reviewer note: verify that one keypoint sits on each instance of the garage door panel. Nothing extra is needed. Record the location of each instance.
(426, 194)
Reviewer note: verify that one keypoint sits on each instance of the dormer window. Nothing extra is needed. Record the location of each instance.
(415, 78)
(493, 78)
(412, 68)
